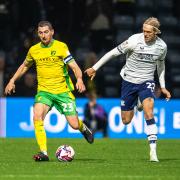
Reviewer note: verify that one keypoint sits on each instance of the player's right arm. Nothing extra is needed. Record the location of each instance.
(18, 74)
(91, 72)
(123, 48)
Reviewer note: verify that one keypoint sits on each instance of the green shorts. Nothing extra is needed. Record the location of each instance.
(64, 102)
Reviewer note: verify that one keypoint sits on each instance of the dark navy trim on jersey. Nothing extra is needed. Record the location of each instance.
(118, 47)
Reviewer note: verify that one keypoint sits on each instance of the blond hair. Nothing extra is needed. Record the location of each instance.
(152, 21)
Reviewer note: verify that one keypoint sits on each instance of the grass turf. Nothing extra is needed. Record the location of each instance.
(105, 159)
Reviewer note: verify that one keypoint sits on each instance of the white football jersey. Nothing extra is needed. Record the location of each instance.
(141, 58)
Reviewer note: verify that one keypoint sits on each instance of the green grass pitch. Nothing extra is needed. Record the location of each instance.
(105, 159)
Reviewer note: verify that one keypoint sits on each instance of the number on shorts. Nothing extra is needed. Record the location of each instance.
(151, 86)
(67, 107)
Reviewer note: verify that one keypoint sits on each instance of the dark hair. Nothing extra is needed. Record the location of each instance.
(45, 23)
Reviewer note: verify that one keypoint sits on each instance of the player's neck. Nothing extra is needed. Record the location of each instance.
(48, 44)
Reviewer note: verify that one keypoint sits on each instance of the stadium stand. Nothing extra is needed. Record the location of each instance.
(74, 26)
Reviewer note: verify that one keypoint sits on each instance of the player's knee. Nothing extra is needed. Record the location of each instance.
(126, 119)
(37, 115)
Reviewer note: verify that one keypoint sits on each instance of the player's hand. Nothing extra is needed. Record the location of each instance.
(90, 72)
(166, 93)
(80, 85)
(10, 88)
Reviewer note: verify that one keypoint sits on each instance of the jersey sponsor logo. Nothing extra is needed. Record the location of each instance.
(49, 59)
(148, 57)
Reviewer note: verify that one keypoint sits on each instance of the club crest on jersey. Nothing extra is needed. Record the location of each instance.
(53, 53)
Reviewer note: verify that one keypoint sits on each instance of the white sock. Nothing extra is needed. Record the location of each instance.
(151, 129)
(152, 141)
(152, 146)
(45, 153)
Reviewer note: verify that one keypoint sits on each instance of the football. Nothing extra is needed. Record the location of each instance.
(65, 153)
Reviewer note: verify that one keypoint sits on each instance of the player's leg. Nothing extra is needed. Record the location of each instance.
(78, 124)
(139, 106)
(146, 94)
(65, 104)
(148, 105)
(127, 116)
(128, 101)
(41, 108)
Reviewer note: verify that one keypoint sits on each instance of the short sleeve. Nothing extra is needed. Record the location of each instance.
(29, 57)
(67, 57)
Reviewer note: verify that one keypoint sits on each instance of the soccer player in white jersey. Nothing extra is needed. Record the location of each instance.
(145, 52)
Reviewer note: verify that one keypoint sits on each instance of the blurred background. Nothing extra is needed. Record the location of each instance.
(90, 28)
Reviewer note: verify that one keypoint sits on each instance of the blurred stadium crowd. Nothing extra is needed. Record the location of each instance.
(90, 28)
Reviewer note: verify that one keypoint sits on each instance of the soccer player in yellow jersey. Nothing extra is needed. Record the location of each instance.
(52, 58)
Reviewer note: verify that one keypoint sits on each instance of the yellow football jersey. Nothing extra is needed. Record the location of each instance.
(51, 64)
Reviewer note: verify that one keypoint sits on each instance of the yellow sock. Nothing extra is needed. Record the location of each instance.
(81, 125)
(40, 135)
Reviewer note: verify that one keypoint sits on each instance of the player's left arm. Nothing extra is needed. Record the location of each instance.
(23, 68)
(69, 60)
(78, 74)
(161, 75)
